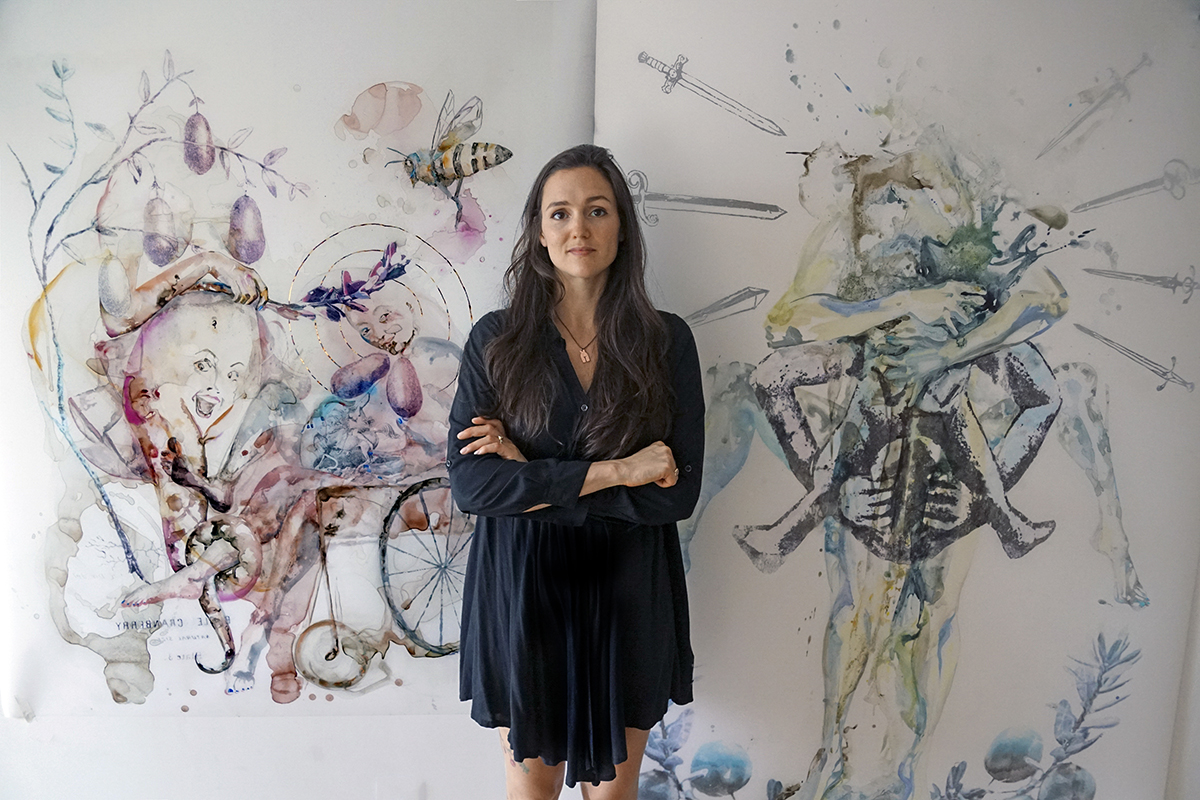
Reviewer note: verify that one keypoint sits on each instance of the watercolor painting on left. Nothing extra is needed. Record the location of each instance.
(244, 342)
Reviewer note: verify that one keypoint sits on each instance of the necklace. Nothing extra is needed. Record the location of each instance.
(583, 353)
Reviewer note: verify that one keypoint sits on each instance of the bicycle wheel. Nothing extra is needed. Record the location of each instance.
(423, 555)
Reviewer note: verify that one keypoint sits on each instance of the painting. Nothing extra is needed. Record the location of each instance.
(939, 264)
(244, 343)
(919, 369)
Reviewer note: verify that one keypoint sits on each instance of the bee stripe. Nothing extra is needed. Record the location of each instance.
(458, 171)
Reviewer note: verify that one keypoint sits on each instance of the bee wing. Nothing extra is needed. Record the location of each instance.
(463, 126)
(443, 121)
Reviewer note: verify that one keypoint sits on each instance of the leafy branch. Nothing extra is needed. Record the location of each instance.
(130, 149)
(1012, 760)
(1096, 682)
(128, 154)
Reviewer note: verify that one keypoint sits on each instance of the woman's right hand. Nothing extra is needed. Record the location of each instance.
(489, 437)
(654, 463)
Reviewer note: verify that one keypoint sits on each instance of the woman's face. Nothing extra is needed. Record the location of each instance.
(389, 327)
(581, 229)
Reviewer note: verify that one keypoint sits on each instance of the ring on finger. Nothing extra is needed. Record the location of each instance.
(499, 440)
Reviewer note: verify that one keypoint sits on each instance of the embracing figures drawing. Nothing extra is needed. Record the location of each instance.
(904, 392)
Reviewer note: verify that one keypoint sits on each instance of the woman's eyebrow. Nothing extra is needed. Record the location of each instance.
(591, 199)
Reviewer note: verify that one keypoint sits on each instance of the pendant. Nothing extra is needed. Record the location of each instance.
(584, 357)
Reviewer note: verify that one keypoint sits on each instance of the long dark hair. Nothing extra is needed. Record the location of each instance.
(630, 396)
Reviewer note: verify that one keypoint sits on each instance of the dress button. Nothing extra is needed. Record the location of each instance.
(688, 468)
(447, 463)
(583, 407)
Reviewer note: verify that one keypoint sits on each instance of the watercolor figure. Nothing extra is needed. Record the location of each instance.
(386, 418)
(184, 378)
(209, 406)
(904, 393)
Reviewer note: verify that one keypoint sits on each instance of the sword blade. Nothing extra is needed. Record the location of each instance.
(677, 77)
(660, 201)
(729, 104)
(1112, 91)
(1079, 120)
(738, 302)
(1164, 281)
(1168, 374)
(1124, 194)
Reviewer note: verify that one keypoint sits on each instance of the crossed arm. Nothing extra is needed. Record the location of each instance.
(494, 478)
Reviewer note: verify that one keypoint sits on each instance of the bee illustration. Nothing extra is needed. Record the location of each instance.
(450, 158)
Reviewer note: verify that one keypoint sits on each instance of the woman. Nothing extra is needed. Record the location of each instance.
(581, 418)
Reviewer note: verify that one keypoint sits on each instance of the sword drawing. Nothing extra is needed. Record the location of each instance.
(1117, 89)
(1177, 175)
(1172, 282)
(1168, 374)
(645, 201)
(739, 302)
(676, 75)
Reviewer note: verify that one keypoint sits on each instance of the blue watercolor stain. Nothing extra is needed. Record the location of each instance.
(724, 769)
(839, 77)
(1007, 759)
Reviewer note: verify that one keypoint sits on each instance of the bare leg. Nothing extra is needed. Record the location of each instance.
(188, 583)
(625, 785)
(531, 779)
(1083, 432)
(923, 651)
(1015, 377)
(768, 545)
(280, 583)
(859, 584)
(802, 430)
(957, 430)
(729, 425)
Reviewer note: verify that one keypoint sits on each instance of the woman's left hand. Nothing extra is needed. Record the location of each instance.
(490, 437)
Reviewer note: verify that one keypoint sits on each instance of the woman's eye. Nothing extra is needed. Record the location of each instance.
(364, 332)
(599, 212)
(234, 375)
(203, 365)
(558, 215)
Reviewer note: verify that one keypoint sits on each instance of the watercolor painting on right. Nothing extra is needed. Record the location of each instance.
(950, 379)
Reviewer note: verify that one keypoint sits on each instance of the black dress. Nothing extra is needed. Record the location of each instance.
(575, 618)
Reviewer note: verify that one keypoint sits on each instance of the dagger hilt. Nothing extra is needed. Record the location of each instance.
(638, 185)
(1171, 376)
(1188, 284)
(1176, 176)
(673, 72)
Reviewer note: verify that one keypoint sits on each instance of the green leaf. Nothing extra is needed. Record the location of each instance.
(58, 115)
(50, 92)
(51, 168)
